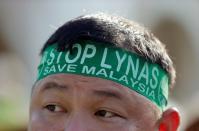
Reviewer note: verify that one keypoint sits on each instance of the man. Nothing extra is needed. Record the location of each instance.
(103, 73)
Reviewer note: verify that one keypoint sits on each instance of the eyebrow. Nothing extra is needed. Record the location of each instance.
(107, 93)
(99, 93)
(53, 85)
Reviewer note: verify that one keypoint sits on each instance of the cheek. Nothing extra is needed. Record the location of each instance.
(39, 122)
(143, 126)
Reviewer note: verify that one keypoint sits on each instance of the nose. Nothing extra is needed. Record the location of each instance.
(78, 122)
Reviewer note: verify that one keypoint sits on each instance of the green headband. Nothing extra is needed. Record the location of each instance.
(105, 61)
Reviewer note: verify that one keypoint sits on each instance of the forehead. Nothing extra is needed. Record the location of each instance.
(83, 84)
(93, 88)
(93, 83)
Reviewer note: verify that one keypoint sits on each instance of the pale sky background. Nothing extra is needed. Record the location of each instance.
(27, 24)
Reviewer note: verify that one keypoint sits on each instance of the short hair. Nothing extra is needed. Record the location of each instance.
(115, 30)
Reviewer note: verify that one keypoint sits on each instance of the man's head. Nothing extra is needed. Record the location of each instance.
(101, 72)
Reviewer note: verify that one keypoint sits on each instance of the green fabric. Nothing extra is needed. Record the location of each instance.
(106, 61)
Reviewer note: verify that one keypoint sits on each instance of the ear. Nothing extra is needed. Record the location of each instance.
(170, 120)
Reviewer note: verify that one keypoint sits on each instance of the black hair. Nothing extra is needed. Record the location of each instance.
(115, 30)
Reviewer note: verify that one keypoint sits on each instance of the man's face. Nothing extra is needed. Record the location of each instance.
(65, 102)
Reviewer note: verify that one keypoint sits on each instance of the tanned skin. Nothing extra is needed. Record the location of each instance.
(66, 102)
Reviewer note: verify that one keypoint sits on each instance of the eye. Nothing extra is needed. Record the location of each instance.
(54, 108)
(106, 114)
